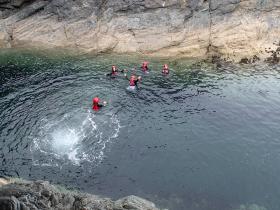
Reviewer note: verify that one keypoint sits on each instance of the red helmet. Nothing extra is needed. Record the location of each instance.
(95, 100)
(165, 66)
(114, 68)
(145, 63)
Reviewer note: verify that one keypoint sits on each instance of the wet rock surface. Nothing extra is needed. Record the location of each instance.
(231, 29)
(42, 195)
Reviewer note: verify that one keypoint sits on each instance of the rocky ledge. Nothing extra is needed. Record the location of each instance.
(25, 195)
(239, 30)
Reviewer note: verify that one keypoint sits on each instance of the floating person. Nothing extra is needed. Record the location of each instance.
(96, 105)
(165, 69)
(133, 81)
(144, 66)
(115, 71)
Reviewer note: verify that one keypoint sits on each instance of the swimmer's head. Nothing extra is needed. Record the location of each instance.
(165, 66)
(145, 63)
(95, 100)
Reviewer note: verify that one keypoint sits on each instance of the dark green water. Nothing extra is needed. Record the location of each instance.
(200, 139)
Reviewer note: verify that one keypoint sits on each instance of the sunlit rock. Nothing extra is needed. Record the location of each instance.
(231, 29)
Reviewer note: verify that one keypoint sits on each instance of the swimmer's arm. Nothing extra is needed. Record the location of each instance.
(126, 77)
(136, 82)
(104, 103)
(122, 71)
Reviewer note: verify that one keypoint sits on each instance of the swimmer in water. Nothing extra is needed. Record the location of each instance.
(144, 66)
(133, 81)
(165, 69)
(115, 71)
(96, 105)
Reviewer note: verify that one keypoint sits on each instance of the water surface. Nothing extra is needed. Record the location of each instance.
(201, 138)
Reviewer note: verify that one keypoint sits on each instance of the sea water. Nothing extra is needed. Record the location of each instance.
(202, 138)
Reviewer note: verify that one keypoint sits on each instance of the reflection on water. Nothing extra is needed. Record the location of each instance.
(200, 138)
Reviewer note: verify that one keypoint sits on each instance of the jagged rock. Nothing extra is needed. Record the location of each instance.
(6, 5)
(41, 195)
(134, 203)
(231, 29)
(18, 3)
(4, 1)
(9, 203)
(25, 13)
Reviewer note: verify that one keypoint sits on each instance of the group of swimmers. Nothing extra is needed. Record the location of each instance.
(133, 81)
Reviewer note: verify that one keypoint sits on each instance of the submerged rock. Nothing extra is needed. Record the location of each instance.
(42, 195)
(133, 202)
(251, 207)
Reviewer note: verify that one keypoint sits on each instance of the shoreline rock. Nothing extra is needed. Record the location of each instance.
(27, 195)
(230, 29)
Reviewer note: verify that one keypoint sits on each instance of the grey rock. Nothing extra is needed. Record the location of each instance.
(224, 6)
(232, 29)
(23, 207)
(18, 3)
(26, 12)
(134, 203)
(42, 195)
(6, 6)
(71, 9)
(4, 1)
(68, 200)
(9, 203)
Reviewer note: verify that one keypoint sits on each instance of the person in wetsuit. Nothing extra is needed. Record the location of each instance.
(165, 69)
(115, 71)
(96, 105)
(144, 66)
(133, 80)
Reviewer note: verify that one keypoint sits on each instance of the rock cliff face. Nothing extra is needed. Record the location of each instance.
(41, 195)
(232, 29)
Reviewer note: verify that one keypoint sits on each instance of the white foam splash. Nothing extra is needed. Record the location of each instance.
(77, 139)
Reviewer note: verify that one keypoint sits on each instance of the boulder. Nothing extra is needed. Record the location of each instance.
(134, 203)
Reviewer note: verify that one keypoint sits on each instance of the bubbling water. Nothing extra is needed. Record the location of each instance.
(74, 138)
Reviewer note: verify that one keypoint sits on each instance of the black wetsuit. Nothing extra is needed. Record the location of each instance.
(114, 73)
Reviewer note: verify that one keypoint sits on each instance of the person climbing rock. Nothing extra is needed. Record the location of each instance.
(96, 105)
(165, 69)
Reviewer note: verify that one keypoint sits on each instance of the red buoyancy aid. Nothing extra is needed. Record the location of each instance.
(145, 66)
(95, 102)
(114, 70)
(165, 69)
(132, 81)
